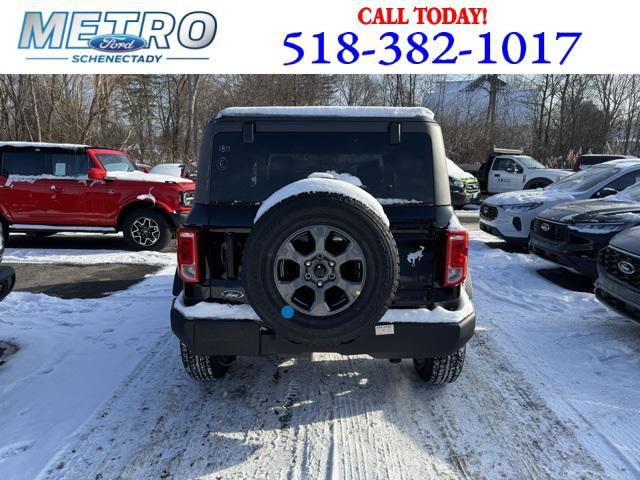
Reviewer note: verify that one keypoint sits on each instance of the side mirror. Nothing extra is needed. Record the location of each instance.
(605, 192)
(97, 174)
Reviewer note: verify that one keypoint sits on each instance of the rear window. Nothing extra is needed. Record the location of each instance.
(250, 173)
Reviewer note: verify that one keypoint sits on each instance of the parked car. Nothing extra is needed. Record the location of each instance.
(291, 250)
(463, 186)
(590, 159)
(510, 170)
(180, 170)
(49, 188)
(7, 274)
(572, 234)
(618, 283)
(510, 215)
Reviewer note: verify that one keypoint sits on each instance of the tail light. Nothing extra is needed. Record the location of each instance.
(188, 258)
(455, 269)
(577, 165)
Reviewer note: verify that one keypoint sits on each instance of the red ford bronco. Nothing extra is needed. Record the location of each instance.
(48, 188)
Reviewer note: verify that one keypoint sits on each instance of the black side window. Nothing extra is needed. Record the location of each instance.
(625, 181)
(503, 164)
(26, 163)
(69, 164)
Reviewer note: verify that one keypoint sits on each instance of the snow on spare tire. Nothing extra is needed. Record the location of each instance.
(320, 265)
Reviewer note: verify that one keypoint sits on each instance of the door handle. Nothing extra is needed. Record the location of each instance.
(496, 174)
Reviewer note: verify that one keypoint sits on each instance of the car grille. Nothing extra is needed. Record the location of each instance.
(488, 211)
(472, 186)
(611, 259)
(550, 230)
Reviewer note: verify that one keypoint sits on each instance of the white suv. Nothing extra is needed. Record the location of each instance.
(509, 215)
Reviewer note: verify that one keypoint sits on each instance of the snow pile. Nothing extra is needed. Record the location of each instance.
(424, 315)
(345, 177)
(456, 172)
(325, 185)
(363, 112)
(221, 311)
(147, 177)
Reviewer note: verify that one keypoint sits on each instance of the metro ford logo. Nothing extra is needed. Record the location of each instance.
(117, 43)
(117, 35)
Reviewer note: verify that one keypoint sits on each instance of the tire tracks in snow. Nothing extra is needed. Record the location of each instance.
(332, 417)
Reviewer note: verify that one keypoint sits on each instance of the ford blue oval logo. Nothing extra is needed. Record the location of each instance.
(117, 43)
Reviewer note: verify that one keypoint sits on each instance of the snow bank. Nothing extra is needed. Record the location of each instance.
(87, 257)
(147, 177)
(372, 112)
(324, 184)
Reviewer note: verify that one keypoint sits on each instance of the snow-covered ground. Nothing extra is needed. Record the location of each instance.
(550, 390)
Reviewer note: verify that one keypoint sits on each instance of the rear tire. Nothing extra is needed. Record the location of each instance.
(146, 229)
(4, 227)
(440, 370)
(204, 367)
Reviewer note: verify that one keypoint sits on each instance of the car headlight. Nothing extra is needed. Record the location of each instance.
(187, 198)
(521, 207)
(597, 228)
(456, 183)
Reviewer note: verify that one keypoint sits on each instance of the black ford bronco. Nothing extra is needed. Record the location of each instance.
(322, 229)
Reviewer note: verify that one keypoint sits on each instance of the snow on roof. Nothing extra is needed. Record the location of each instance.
(622, 162)
(360, 112)
(70, 146)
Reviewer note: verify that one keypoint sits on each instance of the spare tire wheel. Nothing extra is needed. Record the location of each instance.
(320, 268)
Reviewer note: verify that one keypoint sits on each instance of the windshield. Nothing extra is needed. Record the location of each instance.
(585, 179)
(631, 194)
(529, 162)
(116, 162)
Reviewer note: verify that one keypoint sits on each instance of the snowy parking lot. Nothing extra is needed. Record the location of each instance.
(96, 390)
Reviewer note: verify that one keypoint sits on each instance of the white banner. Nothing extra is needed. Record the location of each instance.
(331, 36)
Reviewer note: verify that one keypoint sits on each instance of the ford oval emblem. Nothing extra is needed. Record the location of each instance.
(233, 294)
(626, 267)
(117, 43)
(544, 227)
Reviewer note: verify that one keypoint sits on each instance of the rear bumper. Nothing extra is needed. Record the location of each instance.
(580, 258)
(618, 296)
(519, 241)
(460, 199)
(249, 338)
(7, 281)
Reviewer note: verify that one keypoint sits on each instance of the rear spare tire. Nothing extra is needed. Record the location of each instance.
(321, 267)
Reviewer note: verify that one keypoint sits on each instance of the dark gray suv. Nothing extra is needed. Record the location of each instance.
(618, 284)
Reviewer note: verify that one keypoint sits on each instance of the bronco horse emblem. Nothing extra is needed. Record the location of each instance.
(413, 257)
